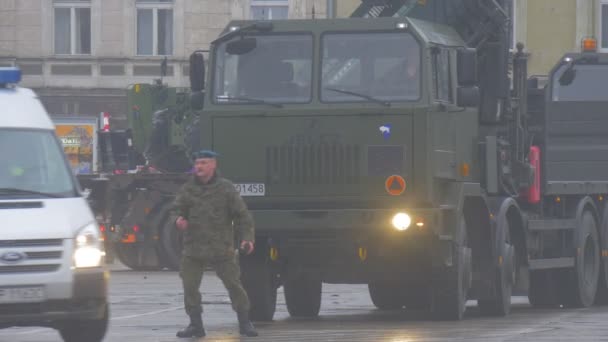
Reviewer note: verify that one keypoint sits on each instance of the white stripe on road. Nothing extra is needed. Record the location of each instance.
(151, 313)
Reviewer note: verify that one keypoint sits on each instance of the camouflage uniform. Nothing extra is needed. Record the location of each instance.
(213, 211)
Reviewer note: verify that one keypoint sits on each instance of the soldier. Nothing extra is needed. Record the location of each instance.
(208, 209)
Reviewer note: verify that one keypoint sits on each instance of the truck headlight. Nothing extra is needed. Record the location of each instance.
(88, 251)
(402, 221)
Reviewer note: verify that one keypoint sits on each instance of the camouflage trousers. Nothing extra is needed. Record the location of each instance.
(227, 269)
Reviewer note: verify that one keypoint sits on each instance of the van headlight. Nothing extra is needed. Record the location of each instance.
(88, 251)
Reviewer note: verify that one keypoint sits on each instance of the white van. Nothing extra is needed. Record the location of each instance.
(52, 270)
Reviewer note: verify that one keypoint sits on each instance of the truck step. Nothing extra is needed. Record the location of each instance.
(545, 225)
(543, 264)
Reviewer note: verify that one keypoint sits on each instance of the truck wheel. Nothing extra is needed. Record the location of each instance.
(260, 283)
(585, 275)
(542, 290)
(602, 287)
(500, 305)
(385, 295)
(85, 330)
(303, 295)
(171, 244)
(128, 254)
(451, 284)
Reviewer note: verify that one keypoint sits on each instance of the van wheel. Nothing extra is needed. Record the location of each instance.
(88, 330)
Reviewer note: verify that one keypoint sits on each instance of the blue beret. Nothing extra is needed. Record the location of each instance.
(205, 154)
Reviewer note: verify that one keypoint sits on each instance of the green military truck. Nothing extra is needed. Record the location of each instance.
(397, 150)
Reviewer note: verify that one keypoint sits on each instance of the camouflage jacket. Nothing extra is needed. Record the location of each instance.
(214, 211)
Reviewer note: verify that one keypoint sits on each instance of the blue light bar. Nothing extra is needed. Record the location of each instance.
(10, 75)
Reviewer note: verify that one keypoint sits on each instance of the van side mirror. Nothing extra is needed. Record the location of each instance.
(197, 71)
(467, 96)
(466, 67)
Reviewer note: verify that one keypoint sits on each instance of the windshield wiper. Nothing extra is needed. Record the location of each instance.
(16, 191)
(249, 99)
(364, 96)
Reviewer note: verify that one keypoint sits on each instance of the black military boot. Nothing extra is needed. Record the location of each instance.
(246, 328)
(195, 329)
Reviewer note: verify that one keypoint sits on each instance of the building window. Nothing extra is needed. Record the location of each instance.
(603, 25)
(154, 27)
(269, 9)
(72, 27)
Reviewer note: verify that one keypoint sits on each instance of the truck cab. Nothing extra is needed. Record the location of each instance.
(350, 140)
(52, 269)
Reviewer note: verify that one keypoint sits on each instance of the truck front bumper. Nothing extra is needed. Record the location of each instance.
(322, 235)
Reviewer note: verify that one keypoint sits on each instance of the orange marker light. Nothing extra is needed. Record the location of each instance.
(589, 45)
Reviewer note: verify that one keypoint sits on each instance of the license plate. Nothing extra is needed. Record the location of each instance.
(29, 294)
(251, 189)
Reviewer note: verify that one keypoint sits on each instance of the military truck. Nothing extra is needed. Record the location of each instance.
(396, 149)
(398, 152)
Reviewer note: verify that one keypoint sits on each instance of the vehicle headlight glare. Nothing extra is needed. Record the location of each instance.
(87, 257)
(87, 248)
(402, 221)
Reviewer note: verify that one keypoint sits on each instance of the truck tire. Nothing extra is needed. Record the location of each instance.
(602, 288)
(450, 285)
(542, 290)
(385, 295)
(584, 277)
(171, 244)
(128, 254)
(85, 330)
(504, 278)
(303, 295)
(259, 282)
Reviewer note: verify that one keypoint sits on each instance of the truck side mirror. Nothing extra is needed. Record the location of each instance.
(466, 67)
(197, 71)
(467, 96)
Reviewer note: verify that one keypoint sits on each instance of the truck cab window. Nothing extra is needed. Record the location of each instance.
(442, 82)
(382, 65)
(277, 70)
(589, 83)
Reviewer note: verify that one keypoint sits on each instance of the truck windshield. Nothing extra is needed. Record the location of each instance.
(590, 83)
(277, 70)
(383, 66)
(33, 165)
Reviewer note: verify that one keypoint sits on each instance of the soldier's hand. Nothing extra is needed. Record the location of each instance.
(247, 247)
(181, 223)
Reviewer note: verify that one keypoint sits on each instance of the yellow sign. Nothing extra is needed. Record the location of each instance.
(395, 185)
(78, 145)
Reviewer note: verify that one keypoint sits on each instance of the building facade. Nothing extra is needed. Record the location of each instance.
(81, 55)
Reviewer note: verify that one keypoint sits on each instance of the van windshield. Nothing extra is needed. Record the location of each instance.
(32, 164)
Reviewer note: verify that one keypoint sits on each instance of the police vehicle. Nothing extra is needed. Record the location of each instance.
(52, 270)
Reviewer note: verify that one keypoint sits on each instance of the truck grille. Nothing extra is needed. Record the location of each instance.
(313, 164)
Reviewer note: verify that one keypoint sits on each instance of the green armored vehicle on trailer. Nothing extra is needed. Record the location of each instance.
(397, 150)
